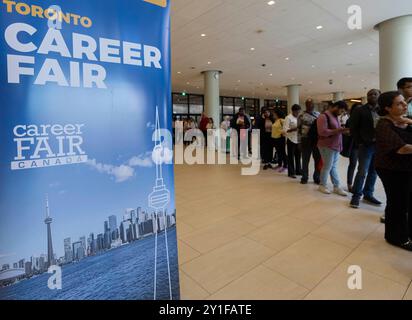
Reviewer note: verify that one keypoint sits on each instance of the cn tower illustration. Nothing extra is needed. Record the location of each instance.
(48, 221)
(159, 200)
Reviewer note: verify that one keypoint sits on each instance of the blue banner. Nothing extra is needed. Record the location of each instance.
(86, 182)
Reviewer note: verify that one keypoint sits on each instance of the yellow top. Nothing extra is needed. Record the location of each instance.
(277, 128)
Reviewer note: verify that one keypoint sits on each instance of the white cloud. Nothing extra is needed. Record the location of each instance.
(143, 160)
(54, 184)
(119, 173)
(162, 155)
(124, 171)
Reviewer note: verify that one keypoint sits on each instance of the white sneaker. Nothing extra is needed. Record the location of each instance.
(340, 191)
(324, 190)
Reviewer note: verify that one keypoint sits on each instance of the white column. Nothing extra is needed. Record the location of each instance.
(338, 96)
(293, 95)
(212, 95)
(395, 51)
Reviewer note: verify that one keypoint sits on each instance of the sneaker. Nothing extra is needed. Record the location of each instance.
(340, 191)
(407, 245)
(372, 200)
(354, 203)
(324, 190)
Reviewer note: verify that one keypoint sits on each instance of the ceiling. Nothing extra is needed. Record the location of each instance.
(285, 30)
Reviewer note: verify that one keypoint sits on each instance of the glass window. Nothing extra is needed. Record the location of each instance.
(228, 105)
(239, 103)
(196, 104)
(180, 103)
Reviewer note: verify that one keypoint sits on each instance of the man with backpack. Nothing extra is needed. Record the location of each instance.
(308, 139)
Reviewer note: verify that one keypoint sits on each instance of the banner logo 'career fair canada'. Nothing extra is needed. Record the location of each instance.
(46, 145)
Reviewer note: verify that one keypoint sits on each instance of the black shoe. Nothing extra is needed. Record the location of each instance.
(372, 200)
(265, 167)
(317, 182)
(354, 203)
(405, 246)
(270, 166)
(383, 219)
(292, 177)
(303, 182)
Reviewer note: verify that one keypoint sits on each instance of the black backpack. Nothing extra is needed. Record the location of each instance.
(313, 130)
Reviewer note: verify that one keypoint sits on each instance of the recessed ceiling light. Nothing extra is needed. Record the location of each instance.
(310, 82)
(319, 27)
(350, 43)
(179, 72)
(287, 58)
(203, 35)
(271, 3)
(252, 49)
(209, 62)
(313, 66)
(371, 54)
(187, 82)
(270, 74)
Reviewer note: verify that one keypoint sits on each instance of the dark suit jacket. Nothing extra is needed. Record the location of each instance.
(362, 126)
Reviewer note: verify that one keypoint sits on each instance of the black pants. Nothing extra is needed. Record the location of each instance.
(309, 148)
(353, 162)
(398, 212)
(267, 147)
(294, 159)
(280, 146)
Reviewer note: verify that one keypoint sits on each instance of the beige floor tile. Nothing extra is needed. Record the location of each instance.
(186, 253)
(263, 216)
(348, 229)
(383, 259)
(408, 295)
(261, 284)
(308, 261)
(282, 232)
(219, 267)
(319, 211)
(218, 234)
(183, 228)
(374, 287)
(190, 290)
(207, 216)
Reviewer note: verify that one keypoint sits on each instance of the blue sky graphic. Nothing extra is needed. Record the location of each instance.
(116, 131)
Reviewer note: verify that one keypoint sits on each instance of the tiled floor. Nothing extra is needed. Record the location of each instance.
(268, 237)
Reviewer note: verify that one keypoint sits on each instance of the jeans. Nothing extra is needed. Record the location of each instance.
(398, 211)
(280, 146)
(353, 162)
(330, 159)
(308, 149)
(294, 162)
(366, 171)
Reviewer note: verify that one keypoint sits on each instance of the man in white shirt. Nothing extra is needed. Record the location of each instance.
(290, 129)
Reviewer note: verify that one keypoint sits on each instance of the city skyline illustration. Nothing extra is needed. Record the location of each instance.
(82, 196)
